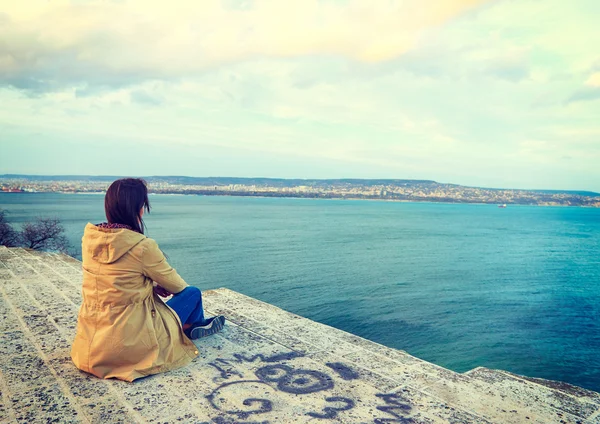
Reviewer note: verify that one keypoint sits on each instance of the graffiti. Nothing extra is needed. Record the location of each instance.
(343, 370)
(229, 405)
(295, 381)
(330, 412)
(224, 373)
(221, 420)
(273, 358)
(255, 394)
(396, 406)
(274, 380)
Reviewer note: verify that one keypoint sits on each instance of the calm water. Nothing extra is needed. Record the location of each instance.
(459, 285)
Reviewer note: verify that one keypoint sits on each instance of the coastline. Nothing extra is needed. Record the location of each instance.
(324, 198)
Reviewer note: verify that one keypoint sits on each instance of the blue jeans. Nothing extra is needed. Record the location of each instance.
(188, 306)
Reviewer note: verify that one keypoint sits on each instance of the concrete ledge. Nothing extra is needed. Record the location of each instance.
(267, 366)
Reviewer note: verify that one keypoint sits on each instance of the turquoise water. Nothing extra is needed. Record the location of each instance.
(458, 285)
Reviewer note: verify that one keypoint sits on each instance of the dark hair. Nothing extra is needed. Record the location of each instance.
(123, 201)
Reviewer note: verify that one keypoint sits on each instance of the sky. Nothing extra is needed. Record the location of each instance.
(492, 93)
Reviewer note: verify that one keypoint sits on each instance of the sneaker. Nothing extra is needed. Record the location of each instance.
(214, 325)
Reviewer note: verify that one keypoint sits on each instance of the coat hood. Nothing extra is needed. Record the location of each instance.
(107, 245)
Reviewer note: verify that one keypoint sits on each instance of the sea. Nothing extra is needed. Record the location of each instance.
(460, 285)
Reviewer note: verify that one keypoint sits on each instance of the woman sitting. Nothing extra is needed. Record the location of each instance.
(124, 329)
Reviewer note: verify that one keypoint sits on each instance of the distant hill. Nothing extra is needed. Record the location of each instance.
(61, 177)
(283, 182)
(530, 190)
(259, 181)
(574, 192)
(280, 182)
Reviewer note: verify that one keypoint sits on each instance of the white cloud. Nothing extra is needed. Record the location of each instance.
(116, 42)
(478, 100)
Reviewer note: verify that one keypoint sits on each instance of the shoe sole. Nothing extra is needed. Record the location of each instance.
(215, 326)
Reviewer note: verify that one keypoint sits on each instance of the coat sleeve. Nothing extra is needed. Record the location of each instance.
(155, 266)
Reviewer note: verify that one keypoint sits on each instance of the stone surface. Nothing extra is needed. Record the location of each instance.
(266, 366)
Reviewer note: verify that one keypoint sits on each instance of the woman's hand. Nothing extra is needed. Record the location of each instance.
(161, 291)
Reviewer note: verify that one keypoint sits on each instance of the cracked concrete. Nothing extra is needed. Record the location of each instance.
(266, 366)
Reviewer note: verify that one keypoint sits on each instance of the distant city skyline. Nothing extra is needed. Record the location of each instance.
(356, 189)
(96, 181)
(481, 93)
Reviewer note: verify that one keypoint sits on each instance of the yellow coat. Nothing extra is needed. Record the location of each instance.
(123, 329)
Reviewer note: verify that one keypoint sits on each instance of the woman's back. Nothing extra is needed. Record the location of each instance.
(112, 265)
(124, 330)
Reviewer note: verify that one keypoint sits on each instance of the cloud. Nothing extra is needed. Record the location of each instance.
(586, 94)
(593, 80)
(513, 69)
(453, 102)
(590, 91)
(145, 97)
(59, 42)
